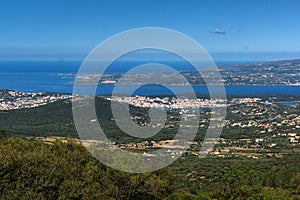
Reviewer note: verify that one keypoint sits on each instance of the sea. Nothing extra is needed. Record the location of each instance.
(43, 76)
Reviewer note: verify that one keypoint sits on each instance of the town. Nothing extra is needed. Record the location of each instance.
(169, 103)
(11, 100)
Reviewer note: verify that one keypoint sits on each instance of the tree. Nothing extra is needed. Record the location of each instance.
(2, 134)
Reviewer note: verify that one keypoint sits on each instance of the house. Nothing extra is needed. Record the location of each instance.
(258, 140)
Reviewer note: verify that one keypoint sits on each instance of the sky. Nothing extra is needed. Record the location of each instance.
(227, 29)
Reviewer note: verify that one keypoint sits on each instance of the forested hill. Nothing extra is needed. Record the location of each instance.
(39, 170)
(54, 119)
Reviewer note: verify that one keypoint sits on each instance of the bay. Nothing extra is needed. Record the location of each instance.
(42, 77)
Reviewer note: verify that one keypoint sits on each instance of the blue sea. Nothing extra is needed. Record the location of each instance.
(42, 76)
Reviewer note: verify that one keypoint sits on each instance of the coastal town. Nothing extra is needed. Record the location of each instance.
(11, 100)
(169, 103)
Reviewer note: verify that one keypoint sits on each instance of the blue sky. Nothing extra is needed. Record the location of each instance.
(69, 29)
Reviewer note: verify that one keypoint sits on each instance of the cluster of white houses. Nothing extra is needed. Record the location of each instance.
(10, 100)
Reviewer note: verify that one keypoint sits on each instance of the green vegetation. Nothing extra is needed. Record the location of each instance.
(31, 169)
(56, 119)
(39, 170)
(51, 119)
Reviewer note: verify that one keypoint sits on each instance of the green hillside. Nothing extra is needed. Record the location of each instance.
(57, 170)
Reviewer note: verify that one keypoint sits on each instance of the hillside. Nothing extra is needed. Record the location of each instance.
(38, 170)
